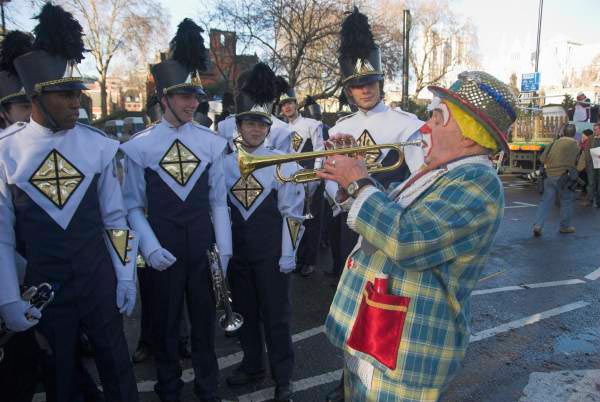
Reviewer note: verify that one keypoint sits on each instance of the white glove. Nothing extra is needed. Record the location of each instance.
(287, 263)
(20, 315)
(161, 259)
(224, 263)
(126, 292)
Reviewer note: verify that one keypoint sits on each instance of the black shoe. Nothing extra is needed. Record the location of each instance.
(142, 353)
(337, 394)
(214, 399)
(185, 351)
(283, 393)
(85, 346)
(307, 270)
(240, 377)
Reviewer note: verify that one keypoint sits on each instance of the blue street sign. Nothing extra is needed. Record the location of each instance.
(530, 82)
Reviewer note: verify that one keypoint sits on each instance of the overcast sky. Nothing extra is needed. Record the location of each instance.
(497, 22)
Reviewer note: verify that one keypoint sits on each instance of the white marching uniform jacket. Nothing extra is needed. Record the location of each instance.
(185, 165)
(307, 134)
(279, 137)
(60, 195)
(381, 125)
(259, 196)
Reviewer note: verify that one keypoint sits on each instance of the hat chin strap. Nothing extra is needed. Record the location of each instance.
(49, 119)
(181, 122)
(6, 115)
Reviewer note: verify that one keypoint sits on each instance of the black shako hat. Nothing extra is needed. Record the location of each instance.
(180, 73)
(255, 99)
(312, 109)
(56, 51)
(285, 92)
(359, 56)
(15, 44)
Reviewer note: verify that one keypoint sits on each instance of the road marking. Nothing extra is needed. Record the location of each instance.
(490, 276)
(559, 386)
(332, 376)
(521, 205)
(594, 275)
(300, 385)
(224, 362)
(555, 283)
(528, 286)
(230, 360)
(532, 319)
(496, 290)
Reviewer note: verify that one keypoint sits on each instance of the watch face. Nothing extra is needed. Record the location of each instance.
(352, 187)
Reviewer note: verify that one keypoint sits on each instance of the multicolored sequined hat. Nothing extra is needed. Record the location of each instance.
(488, 100)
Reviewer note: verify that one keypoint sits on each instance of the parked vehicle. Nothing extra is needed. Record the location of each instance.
(132, 125)
(83, 117)
(114, 129)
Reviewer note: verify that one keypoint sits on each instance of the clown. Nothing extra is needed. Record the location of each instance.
(402, 312)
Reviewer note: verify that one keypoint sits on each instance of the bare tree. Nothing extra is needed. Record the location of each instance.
(297, 37)
(113, 26)
(440, 42)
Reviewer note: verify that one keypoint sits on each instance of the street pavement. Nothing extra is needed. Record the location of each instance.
(535, 329)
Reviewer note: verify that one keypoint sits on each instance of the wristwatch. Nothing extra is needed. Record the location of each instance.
(354, 187)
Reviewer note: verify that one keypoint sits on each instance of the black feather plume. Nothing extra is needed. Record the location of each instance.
(15, 44)
(356, 40)
(187, 47)
(59, 33)
(260, 84)
(281, 85)
(309, 100)
(228, 100)
(343, 99)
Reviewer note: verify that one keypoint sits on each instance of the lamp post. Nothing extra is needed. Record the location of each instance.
(2, 2)
(405, 76)
(539, 34)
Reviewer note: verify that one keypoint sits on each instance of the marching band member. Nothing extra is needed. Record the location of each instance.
(279, 136)
(307, 135)
(374, 122)
(267, 226)
(401, 312)
(14, 104)
(174, 172)
(61, 208)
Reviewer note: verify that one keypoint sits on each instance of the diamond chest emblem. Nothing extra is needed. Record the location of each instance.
(246, 191)
(365, 139)
(57, 178)
(296, 141)
(179, 162)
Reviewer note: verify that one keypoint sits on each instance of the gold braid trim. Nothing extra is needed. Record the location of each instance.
(358, 75)
(13, 95)
(39, 87)
(268, 116)
(183, 85)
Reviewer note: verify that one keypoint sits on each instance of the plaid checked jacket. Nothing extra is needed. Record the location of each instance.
(434, 252)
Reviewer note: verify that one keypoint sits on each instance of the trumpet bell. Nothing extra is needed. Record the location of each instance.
(231, 323)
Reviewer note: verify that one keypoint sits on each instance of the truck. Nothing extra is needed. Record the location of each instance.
(534, 129)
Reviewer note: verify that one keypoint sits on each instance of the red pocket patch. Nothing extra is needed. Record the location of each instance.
(377, 330)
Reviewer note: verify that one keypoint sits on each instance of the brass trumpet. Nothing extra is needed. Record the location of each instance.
(248, 163)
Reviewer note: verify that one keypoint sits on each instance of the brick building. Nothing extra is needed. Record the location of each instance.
(224, 67)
